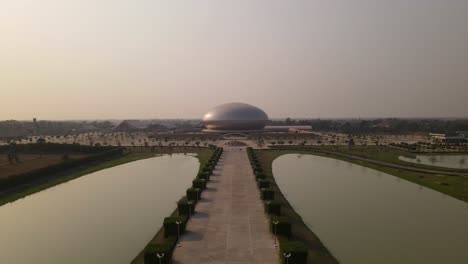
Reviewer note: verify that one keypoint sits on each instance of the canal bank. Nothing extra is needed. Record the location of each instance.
(385, 218)
(452, 185)
(103, 217)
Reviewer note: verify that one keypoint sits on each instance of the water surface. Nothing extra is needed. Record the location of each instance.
(104, 217)
(446, 161)
(366, 216)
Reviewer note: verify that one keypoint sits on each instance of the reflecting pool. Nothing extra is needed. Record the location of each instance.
(105, 217)
(446, 161)
(366, 216)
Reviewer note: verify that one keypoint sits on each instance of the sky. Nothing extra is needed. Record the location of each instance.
(116, 59)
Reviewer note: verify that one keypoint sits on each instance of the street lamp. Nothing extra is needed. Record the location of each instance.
(160, 256)
(274, 228)
(287, 256)
(197, 190)
(178, 231)
(190, 202)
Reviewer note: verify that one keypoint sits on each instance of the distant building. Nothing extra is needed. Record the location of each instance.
(235, 116)
(138, 125)
(130, 125)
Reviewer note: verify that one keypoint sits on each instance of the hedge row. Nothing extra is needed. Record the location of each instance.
(290, 251)
(174, 226)
(23, 178)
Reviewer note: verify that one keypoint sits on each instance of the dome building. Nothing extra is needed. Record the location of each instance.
(235, 116)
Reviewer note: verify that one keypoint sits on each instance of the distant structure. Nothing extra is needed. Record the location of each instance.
(235, 117)
(138, 125)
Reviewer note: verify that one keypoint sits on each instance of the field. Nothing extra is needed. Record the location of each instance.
(455, 186)
(30, 162)
(386, 154)
(132, 154)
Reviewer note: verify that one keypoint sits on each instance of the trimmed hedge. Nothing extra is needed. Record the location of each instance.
(199, 184)
(183, 206)
(260, 176)
(283, 228)
(170, 226)
(261, 183)
(297, 249)
(166, 248)
(273, 207)
(267, 194)
(194, 194)
(203, 175)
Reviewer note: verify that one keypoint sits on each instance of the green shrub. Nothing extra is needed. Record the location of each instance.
(283, 228)
(170, 225)
(199, 183)
(183, 206)
(193, 194)
(267, 194)
(262, 183)
(207, 170)
(297, 250)
(203, 176)
(258, 170)
(260, 176)
(166, 248)
(273, 207)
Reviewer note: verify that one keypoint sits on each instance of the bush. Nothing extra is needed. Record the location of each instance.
(267, 194)
(199, 183)
(208, 170)
(297, 250)
(183, 206)
(203, 176)
(166, 248)
(258, 170)
(273, 207)
(193, 194)
(283, 228)
(170, 225)
(260, 176)
(262, 183)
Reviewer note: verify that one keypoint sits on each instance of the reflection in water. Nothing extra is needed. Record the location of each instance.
(104, 217)
(447, 161)
(362, 218)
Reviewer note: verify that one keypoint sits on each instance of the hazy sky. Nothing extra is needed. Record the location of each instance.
(75, 59)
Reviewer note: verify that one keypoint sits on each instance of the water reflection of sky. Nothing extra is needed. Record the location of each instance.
(447, 161)
(379, 214)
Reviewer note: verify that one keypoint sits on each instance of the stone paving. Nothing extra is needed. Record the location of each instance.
(229, 225)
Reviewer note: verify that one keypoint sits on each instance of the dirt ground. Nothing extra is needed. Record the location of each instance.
(31, 162)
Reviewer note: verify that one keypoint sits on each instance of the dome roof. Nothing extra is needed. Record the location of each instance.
(235, 116)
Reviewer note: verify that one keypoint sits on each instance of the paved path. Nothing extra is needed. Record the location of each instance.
(230, 226)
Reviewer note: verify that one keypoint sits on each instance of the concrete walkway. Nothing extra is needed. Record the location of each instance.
(230, 225)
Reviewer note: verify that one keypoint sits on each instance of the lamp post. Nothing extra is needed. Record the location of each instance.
(287, 256)
(267, 203)
(274, 228)
(178, 231)
(190, 202)
(160, 256)
(197, 190)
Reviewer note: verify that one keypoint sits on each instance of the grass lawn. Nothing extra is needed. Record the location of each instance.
(134, 155)
(30, 162)
(387, 154)
(455, 186)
